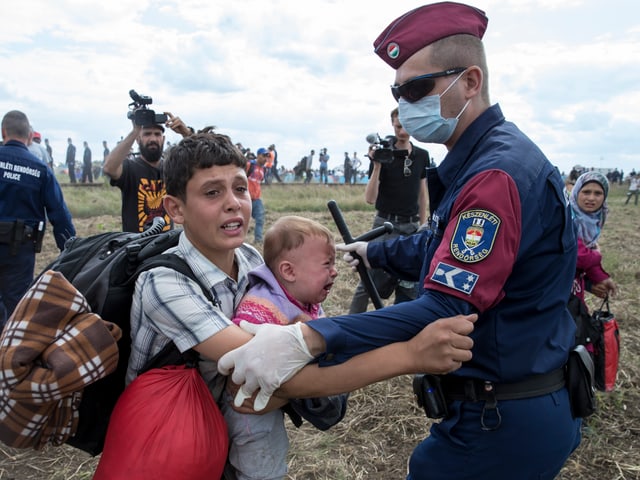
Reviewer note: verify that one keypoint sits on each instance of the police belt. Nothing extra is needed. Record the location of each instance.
(8, 233)
(17, 233)
(398, 218)
(476, 390)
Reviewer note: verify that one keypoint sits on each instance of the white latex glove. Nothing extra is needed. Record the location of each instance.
(359, 248)
(274, 355)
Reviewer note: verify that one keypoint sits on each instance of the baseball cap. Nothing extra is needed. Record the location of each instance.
(262, 151)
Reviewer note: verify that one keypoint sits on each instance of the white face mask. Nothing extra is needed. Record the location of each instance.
(423, 120)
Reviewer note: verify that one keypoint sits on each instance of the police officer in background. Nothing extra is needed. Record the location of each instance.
(29, 194)
(71, 160)
(499, 243)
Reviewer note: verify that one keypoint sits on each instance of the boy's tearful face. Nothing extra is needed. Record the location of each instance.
(217, 210)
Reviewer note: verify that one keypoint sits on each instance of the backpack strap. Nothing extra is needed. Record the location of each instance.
(170, 355)
(174, 262)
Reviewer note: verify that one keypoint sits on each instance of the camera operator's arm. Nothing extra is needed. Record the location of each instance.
(115, 159)
(371, 190)
(177, 125)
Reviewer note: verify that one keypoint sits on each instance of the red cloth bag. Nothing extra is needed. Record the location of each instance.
(611, 336)
(606, 348)
(165, 426)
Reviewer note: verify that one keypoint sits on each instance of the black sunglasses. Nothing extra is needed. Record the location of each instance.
(419, 87)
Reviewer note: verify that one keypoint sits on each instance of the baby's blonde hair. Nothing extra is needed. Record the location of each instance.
(288, 233)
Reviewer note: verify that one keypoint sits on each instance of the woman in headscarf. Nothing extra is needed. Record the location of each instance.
(588, 201)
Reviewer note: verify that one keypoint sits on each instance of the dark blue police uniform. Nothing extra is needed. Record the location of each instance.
(500, 244)
(29, 194)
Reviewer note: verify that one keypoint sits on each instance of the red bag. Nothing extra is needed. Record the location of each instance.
(606, 351)
(165, 426)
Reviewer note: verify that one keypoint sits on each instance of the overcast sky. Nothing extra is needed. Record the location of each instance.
(303, 75)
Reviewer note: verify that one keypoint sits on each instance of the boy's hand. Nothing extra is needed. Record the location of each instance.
(274, 355)
(247, 406)
(443, 345)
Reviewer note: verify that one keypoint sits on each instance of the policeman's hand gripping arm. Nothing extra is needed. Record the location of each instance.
(274, 355)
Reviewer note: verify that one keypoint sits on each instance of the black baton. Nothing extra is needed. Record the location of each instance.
(365, 276)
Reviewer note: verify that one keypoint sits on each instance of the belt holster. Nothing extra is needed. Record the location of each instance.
(429, 395)
(16, 240)
(39, 237)
(17, 233)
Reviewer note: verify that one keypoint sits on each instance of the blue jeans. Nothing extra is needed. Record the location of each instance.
(257, 213)
(259, 443)
(323, 175)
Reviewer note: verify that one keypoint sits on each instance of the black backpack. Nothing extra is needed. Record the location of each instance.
(104, 268)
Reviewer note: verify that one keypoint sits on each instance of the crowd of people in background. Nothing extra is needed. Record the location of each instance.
(352, 171)
(307, 172)
(615, 176)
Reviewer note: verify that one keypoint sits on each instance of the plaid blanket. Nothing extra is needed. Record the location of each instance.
(51, 348)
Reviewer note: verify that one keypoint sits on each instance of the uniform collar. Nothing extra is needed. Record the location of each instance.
(460, 157)
(456, 160)
(15, 143)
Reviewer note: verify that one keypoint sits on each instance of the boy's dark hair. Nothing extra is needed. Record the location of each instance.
(202, 150)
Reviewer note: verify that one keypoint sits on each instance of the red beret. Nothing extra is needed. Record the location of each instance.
(424, 25)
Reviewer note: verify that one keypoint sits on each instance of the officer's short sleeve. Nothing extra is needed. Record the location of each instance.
(480, 242)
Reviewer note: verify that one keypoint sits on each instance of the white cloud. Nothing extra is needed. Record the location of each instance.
(303, 75)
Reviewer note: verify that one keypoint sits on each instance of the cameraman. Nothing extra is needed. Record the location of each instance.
(139, 177)
(398, 188)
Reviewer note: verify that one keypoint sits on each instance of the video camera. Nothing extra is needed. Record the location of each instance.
(141, 114)
(383, 148)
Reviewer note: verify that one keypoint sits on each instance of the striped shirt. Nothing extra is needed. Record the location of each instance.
(168, 306)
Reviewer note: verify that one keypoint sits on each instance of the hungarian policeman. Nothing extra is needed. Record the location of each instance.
(500, 243)
(29, 194)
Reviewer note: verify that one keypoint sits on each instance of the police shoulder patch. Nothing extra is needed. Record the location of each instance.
(474, 235)
(453, 277)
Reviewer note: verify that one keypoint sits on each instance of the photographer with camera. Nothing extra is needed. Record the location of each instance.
(398, 188)
(139, 177)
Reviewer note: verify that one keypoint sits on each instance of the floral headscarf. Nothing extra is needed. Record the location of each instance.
(589, 225)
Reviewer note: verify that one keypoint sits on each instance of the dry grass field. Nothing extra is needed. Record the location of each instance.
(383, 424)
